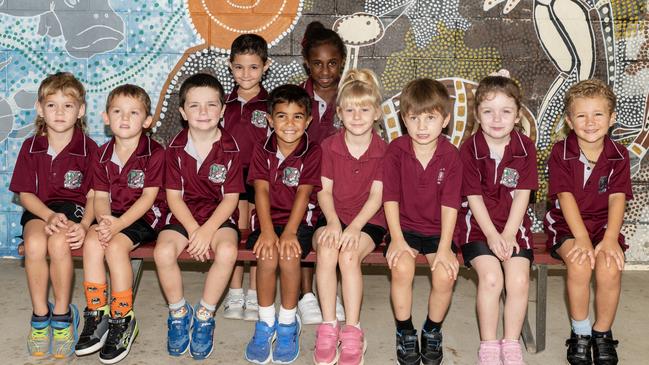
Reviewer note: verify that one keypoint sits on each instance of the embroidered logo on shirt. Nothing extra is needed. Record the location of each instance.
(440, 175)
(291, 176)
(135, 179)
(73, 179)
(510, 177)
(603, 184)
(258, 119)
(218, 173)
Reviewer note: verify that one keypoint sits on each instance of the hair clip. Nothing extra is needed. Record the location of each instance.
(502, 72)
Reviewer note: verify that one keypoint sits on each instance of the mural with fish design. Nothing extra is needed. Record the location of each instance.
(547, 45)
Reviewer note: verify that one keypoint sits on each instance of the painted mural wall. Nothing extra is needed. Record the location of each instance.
(547, 45)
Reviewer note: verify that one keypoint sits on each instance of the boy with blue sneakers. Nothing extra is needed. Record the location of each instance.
(203, 182)
(285, 172)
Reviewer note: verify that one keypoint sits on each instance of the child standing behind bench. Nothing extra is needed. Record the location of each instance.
(128, 173)
(203, 183)
(589, 183)
(52, 177)
(286, 176)
(422, 176)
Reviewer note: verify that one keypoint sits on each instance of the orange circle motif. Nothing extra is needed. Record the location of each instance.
(219, 22)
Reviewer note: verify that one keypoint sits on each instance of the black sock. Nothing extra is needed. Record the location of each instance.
(404, 325)
(67, 317)
(608, 334)
(44, 318)
(432, 326)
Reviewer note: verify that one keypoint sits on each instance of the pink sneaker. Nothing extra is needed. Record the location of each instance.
(489, 353)
(510, 352)
(352, 346)
(326, 345)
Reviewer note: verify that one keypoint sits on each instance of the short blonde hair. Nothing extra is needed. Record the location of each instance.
(424, 96)
(589, 89)
(69, 85)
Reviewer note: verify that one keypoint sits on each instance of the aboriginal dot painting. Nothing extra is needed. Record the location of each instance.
(547, 46)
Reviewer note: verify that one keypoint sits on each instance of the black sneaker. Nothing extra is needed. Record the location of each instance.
(408, 348)
(121, 333)
(431, 348)
(578, 350)
(95, 331)
(604, 350)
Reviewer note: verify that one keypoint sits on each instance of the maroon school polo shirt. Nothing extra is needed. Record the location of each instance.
(203, 186)
(496, 183)
(422, 192)
(353, 178)
(568, 170)
(144, 169)
(246, 122)
(284, 175)
(67, 176)
(322, 126)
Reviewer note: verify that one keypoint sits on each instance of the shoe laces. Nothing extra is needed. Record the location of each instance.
(605, 345)
(39, 334)
(116, 330)
(91, 320)
(512, 351)
(433, 341)
(235, 300)
(251, 301)
(408, 342)
(62, 334)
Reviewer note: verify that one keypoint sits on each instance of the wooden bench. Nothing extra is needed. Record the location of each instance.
(534, 339)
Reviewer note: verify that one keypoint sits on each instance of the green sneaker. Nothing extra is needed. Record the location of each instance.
(38, 340)
(65, 335)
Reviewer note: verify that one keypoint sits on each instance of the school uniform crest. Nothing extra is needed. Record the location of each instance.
(440, 175)
(73, 179)
(218, 173)
(135, 179)
(258, 119)
(291, 176)
(510, 177)
(602, 185)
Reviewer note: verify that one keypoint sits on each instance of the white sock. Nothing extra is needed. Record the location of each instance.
(267, 315)
(175, 306)
(333, 324)
(251, 293)
(238, 291)
(287, 316)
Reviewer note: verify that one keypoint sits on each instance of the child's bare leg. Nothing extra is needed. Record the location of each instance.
(401, 287)
(236, 282)
(352, 278)
(577, 283)
(289, 277)
(306, 273)
(607, 293)
(224, 245)
(36, 266)
(517, 283)
(490, 285)
(253, 276)
(267, 279)
(326, 277)
(61, 270)
(169, 246)
(93, 258)
(440, 293)
(119, 263)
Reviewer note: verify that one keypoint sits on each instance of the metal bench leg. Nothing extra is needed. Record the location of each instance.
(535, 342)
(136, 265)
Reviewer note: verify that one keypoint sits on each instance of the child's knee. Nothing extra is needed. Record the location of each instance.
(164, 253)
(518, 283)
(225, 253)
(57, 247)
(403, 270)
(579, 271)
(327, 256)
(290, 264)
(349, 260)
(36, 249)
(607, 276)
(115, 252)
(443, 282)
(491, 281)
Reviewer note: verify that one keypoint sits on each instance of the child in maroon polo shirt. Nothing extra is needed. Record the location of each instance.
(285, 172)
(203, 182)
(323, 54)
(494, 230)
(352, 223)
(589, 183)
(422, 176)
(245, 120)
(52, 177)
(128, 173)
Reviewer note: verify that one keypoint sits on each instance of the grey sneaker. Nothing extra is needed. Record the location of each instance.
(121, 333)
(65, 334)
(94, 333)
(233, 306)
(251, 311)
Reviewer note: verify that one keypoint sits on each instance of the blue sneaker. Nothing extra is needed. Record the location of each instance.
(258, 350)
(178, 332)
(287, 347)
(65, 335)
(202, 341)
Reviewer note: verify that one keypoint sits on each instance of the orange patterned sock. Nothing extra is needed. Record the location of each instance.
(96, 295)
(121, 303)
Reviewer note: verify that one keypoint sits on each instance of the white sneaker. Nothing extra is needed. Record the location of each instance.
(310, 309)
(233, 306)
(251, 311)
(340, 310)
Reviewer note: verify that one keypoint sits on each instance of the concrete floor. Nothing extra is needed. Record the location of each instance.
(460, 327)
